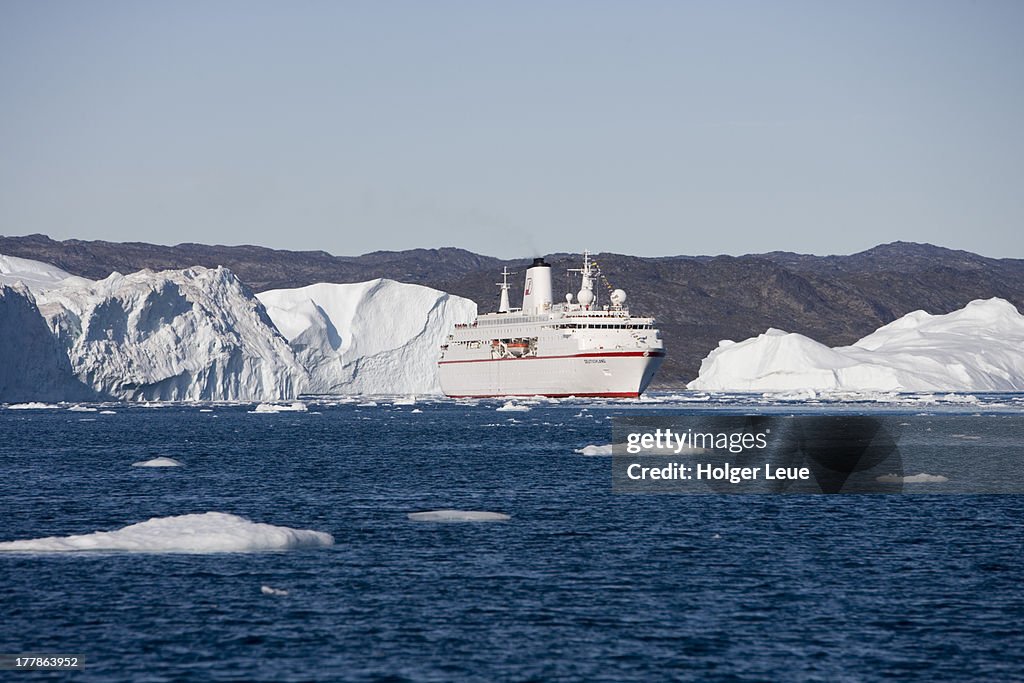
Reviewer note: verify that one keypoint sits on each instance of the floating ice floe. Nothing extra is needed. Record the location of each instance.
(512, 406)
(416, 410)
(594, 449)
(458, 516)
(270, 590)
(82, 409)
(108, 412)
(33, 405)
(295, 407)
(921, 478)
(211, 532)
(407, 401)
(367, 404)
(158, 462)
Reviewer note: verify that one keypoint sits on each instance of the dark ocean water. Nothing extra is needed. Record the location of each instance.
(580, 584)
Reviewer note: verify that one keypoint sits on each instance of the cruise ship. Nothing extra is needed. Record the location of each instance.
(582, 347)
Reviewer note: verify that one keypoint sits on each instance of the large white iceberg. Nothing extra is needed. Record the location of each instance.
(376, 337)
(200, 334)
(211, 532)
(194, 334)
(977, 348)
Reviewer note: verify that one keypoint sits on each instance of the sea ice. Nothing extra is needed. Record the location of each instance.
(270, 590)
(458, 516)
(32, 405)
(158, 462)
(210, 532)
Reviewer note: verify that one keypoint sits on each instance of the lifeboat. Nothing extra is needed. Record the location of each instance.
(518, 348)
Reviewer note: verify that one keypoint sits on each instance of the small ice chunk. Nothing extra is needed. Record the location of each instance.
(458, 516)
(296, 407)
(158, 462)
(367, 404)
(270, 590)
(210, 532)
(82, 409)
(921, 478)
(407, 401)
(512, 406)
(594, 449)
(108, 412)
(416, 410)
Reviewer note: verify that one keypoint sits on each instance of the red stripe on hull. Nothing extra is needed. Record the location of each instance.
(622, 394)
(625, 354)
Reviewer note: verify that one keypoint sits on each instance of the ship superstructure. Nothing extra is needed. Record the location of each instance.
(582, 347)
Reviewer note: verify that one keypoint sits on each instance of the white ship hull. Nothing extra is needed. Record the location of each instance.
(588, 374)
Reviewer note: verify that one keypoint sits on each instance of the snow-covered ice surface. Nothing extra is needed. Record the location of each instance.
(211, 532)
(194, 334)
(35, 275)
(458, 516)
(979, 348)
(158, 462)
(376, 337)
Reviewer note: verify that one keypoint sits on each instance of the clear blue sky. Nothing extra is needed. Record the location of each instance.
(515, 128)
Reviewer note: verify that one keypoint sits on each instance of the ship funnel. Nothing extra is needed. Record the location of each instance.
(537, 293)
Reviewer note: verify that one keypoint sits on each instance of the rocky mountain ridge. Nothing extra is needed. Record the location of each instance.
(697, 300)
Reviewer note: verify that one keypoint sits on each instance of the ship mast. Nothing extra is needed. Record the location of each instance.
(586, 296)
(503, 306)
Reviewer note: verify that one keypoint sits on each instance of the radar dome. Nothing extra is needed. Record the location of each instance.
(618, 297)
(585, 297)
(568, 298)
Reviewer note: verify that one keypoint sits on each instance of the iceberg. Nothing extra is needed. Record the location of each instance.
(977, 348)
(199, 334)
(376, 337)
(179, 335)
(211, 532)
